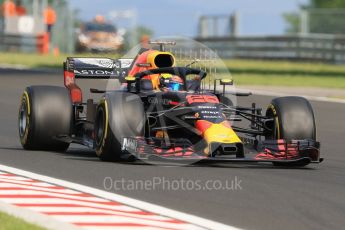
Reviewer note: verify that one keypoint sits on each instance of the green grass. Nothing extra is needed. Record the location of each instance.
(244, 72)
(32, 60)
(40, 61)
(284, 67)
(284, 73)
(8, 222)
(290, 80)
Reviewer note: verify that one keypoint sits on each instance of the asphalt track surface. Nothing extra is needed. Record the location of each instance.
(268, 197)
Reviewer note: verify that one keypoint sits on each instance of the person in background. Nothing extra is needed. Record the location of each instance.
(99, 19)
(8, 8)
(20, 9)
(49, 18)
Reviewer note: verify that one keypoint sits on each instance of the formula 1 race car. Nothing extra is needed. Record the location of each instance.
(163, 113)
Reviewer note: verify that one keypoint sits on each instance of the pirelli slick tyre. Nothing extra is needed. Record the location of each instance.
(45, 113)
(118, 115)
(293, 120)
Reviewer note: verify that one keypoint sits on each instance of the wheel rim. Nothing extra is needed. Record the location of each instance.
(23, 119)
(273, 127)
(99, 126)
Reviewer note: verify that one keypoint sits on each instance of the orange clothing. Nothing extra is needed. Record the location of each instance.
(20, 10)
(49, 16)
(8, 9)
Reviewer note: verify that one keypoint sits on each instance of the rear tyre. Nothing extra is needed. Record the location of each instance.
(118, 115)
(293, 119)
(45, 112)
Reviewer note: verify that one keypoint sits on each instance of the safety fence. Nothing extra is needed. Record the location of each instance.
(316, 47)
(25, 44)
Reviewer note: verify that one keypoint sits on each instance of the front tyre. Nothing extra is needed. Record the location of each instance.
(293, 119)
(118, 115)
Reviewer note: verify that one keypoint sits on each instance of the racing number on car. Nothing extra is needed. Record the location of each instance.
(202, 99)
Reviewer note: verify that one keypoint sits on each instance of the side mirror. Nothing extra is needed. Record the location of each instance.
(226, 82)
(130, 80)
(223, 82)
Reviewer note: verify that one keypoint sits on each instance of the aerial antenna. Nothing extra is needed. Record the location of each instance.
(193, 62)
(162, 44)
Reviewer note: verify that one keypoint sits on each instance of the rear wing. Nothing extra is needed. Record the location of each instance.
(97, 68)
(92, 68)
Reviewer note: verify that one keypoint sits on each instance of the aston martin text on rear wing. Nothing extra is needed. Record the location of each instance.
(97, 68)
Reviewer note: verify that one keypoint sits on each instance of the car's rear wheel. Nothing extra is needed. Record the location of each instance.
(118, 115)
(45, 113)
(293, 119)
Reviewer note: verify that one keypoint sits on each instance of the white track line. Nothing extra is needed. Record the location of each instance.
(6, 185)
(193, 220)
(64, 196)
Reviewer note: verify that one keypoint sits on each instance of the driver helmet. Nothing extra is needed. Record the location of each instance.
(175, 83)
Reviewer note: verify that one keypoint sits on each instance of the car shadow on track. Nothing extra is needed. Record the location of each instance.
(82, 154)
(11, 148)
(89, 155)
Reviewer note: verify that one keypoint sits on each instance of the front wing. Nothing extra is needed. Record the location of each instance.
(280, 152)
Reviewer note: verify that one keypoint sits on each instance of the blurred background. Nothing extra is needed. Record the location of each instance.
(303, 29)
(267, 38)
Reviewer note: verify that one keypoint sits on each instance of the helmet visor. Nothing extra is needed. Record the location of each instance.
(174, 86)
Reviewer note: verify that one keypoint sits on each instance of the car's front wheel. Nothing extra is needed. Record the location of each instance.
(293, 119)
(119, 115)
